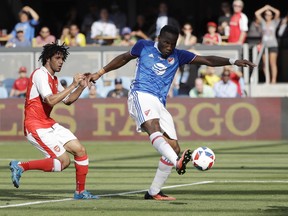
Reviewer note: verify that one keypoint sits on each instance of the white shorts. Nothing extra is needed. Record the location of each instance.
(51, 141)
(144, 106)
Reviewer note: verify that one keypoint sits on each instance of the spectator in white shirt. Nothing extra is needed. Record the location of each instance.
(225, 88)
(103, 30)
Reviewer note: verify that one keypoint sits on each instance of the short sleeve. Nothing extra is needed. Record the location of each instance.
(40, 79)
(185, 57)
(243, 23)
(137, 48)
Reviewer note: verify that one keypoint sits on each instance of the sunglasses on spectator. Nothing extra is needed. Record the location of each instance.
(227, 75)
(239, 6)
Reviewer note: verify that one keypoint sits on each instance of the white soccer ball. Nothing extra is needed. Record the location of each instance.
(203, 158)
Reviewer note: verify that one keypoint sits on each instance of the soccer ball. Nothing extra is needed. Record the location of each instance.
(203, 158)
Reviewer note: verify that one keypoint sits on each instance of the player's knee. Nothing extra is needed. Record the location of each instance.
(81, 151)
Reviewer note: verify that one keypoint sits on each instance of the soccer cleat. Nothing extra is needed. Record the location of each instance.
(182, 161)
(16, 172)
(85, 195)
(160, 196)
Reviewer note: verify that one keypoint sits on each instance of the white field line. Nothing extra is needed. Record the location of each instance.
(104, 195)
(140, 191)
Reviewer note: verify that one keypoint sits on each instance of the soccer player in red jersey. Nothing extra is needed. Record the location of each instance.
(53, 140)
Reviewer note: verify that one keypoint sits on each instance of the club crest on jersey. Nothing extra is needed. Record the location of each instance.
(159, 68)
(171, 60)
(57, 148)
(147, 112)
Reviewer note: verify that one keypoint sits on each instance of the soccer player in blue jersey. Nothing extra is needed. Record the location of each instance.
(157, 63)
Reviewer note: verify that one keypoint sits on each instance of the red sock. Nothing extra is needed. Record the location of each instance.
(81, 165)
(46, 165)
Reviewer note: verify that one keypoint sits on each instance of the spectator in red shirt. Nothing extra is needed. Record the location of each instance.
(212, 37)
(238, 24)
(20, 85)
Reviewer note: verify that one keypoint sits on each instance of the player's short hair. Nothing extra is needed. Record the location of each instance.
(49, 50)
(170, 29)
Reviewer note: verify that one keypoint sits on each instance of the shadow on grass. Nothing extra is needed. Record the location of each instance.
(277, 210)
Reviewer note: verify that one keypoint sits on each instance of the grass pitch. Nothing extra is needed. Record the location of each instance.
(248, 178)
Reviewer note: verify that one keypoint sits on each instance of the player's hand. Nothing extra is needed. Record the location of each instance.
(78, 78)
(244, 63)
(92, 78)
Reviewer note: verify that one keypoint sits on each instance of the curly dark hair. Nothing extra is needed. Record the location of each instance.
(49, 50)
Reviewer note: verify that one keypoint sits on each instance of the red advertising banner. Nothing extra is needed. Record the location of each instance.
(195, 119)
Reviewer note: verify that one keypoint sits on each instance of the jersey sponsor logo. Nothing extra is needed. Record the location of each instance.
(159, 68)
(151, 55)
(57, 148)
(171, 60)
(147, 112)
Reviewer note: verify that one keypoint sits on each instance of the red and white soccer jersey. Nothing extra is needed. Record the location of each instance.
(37, 112)
(238, 24)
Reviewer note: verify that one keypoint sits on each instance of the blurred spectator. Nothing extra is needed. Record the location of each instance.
(254, 33)
(3, 90)
(225, 88)
(63, 83)
(75, 38)
(44, 37)
(93, 92)
(118, 17)
(209, 76)
(212, 37)
(140, 29)
(104, 30)
(163, 19)
(283, 33)
(255, 29)
(269, 25)
(119, 91)
(187, 38)
(187, 75)
(19, 40)
(238, 24)
(237, 78)
(224, 20)
(88, 20)
(201, 90)
(20, 85)
(26, 24)
(283, 30)
(65, 34)
(126, 38)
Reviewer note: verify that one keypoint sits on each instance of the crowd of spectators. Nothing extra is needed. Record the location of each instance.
(108, 26)
(104, 26)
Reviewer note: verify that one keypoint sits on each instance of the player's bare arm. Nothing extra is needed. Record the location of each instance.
(52, 100)
(116, 63)
(76, 94)
(215, 61)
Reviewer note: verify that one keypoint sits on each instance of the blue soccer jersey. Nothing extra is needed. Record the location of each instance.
(154, 74)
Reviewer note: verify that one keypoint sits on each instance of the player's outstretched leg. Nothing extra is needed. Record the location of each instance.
(182, 161)
(16, 172)
(84, 195)
(159, 196)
